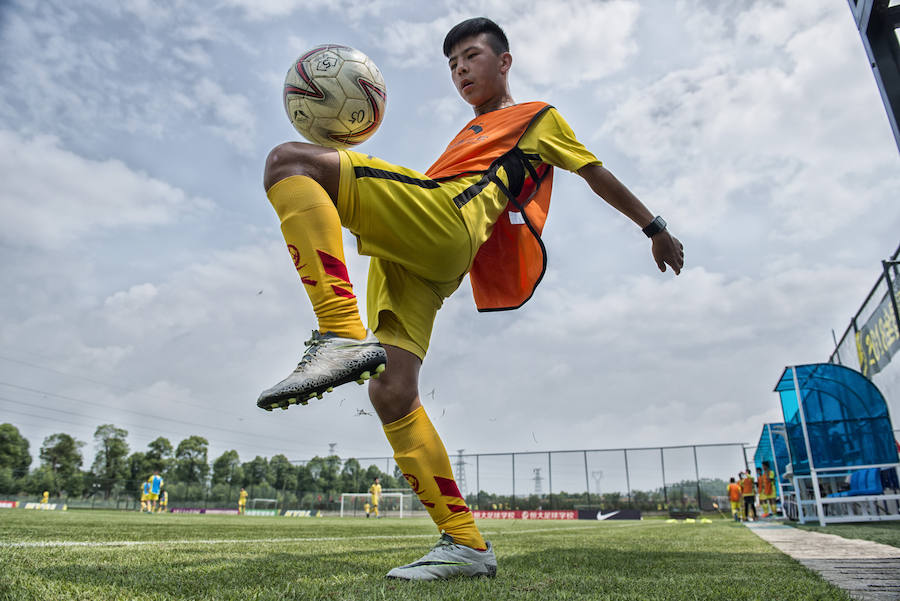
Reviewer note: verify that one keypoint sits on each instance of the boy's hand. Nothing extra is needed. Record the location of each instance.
(667, 250)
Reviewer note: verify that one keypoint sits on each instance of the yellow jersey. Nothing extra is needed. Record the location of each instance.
(375, 491)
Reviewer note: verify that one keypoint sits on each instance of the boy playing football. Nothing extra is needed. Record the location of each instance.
(480, 210)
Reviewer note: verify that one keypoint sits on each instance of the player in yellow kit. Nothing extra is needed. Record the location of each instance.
(45, 497)
(145, 496)
(242, 502)
(375, 491)
(479, 209)
(163, 501)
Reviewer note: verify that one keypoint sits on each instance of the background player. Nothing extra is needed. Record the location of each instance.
(145, 496)
(156, 483)
(766, 484)
(375, 491)
(424, 232)
(748, 491)
(734, 496)
(242, 502)
(163, 501)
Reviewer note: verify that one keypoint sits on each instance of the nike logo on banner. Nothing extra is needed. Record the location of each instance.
(604, 516)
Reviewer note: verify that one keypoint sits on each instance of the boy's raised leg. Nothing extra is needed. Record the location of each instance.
(341, 350)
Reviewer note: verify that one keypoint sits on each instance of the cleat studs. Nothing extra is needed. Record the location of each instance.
(311, 395)
(360, 382)
(379, 369)
(319, 396)
(329, 389)
(304, 402)
(267, 408)
(365, 375)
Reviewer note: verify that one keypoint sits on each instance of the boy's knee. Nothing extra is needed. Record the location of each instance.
(285, 160)
(393, 396)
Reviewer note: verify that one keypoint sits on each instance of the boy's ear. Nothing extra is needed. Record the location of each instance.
(505, 62)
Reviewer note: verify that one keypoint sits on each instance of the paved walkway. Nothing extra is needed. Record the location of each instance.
(866, 570)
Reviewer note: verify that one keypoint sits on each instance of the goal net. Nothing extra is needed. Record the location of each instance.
(392, 504)
(263, 507)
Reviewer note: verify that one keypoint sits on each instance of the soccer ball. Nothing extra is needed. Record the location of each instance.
(334, 96)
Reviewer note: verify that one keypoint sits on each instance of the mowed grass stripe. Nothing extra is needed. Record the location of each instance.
(231, 541)
(635, 561)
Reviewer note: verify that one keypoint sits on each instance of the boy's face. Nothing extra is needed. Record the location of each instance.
(477, 72)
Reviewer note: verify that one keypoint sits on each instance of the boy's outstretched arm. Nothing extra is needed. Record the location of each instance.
(666, 247)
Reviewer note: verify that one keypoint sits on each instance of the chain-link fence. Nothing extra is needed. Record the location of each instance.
(687, 477)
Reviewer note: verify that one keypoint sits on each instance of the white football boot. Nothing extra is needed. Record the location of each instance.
(329, 361)
(448, 560)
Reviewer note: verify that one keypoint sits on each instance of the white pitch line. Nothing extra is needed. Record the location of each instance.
(232, 541)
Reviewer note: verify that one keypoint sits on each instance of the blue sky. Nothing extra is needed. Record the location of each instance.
(147, 285)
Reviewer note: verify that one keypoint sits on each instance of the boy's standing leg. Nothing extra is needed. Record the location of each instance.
(302, 182)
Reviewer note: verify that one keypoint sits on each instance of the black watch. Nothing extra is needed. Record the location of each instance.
(654, 227)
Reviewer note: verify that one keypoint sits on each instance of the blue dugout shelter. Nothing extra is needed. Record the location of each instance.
(838, 429)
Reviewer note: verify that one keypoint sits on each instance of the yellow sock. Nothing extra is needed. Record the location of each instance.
(312, 230)
(421, 456)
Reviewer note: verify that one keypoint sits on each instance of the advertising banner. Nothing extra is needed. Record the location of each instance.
(45, 506)
(563, 514)
(8, 504)
(612, 514)
(261, 512)
(878, 339)
(204, 510)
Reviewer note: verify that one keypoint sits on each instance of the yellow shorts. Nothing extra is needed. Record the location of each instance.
(418, 241)
(144, 497)
(153, 496)
(735, 506)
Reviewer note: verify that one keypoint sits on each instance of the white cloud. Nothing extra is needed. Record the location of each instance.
(234, 114)
(554, 44)
(50, 196)
(713, 129)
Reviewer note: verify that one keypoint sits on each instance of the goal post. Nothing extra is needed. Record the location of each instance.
(390, 503)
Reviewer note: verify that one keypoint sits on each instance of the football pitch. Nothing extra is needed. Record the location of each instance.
(105, 555)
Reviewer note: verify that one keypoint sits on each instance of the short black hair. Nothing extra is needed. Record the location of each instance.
(472, 27)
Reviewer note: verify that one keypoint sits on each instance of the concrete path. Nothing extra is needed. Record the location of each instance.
(866, 570)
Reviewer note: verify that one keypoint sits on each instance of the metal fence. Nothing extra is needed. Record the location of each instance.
(873, 335)
(647, 478)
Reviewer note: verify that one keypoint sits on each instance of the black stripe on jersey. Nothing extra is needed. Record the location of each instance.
(397, 177)
(471, 192)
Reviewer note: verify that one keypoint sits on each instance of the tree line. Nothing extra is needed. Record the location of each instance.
(191, 479)
(185, 467)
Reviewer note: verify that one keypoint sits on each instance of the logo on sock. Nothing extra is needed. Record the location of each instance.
(413, 482)
(295, 256)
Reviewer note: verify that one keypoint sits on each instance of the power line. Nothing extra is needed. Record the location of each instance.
(130, 426)
(147, 415)
(101, 383)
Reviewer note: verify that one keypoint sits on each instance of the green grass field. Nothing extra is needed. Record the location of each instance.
(149, 557)
(887, 533)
